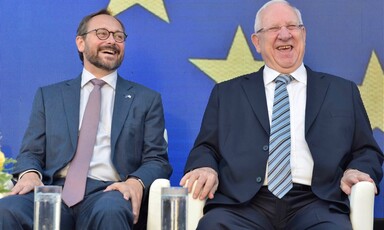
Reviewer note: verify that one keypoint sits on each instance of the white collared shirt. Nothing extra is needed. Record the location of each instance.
(101, 166)
(301, 158)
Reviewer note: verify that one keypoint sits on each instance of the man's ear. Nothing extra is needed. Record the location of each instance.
(80, 43)
(256, 42)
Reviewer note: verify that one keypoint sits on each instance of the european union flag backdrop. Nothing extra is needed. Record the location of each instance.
(180, 48)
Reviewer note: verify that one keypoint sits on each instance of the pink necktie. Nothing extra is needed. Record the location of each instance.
(74, 186)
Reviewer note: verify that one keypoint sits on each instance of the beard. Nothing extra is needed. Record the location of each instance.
(96, 60)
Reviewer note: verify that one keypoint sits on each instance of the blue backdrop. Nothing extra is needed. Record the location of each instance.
(181, 48)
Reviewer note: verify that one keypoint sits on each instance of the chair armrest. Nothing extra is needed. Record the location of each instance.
(362, 200)
(194, 207)
(154, 204)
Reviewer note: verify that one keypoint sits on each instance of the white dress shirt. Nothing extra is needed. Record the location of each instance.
(101, 166)
(301, 158)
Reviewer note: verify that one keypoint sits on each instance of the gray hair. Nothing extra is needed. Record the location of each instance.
(258, 15)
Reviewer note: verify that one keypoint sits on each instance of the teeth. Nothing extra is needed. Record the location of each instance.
(109, 51)
(284, 47)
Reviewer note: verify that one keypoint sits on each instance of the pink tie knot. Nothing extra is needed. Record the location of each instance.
(98, 82)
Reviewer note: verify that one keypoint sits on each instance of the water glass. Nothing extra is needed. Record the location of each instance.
(47, 207)
(174, 208)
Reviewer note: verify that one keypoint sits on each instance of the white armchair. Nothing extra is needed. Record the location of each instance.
(362, 206)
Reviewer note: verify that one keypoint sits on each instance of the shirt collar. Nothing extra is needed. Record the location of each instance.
(110, 79)
(300, 74)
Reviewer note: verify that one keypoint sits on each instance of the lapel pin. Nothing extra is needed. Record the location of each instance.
(128, 96)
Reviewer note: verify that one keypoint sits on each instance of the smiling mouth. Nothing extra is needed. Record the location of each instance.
(110, 52)
(282, 48)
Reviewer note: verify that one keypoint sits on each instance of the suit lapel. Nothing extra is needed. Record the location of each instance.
(317, 87)
(71, 99)
(253, 86)
(123, 100)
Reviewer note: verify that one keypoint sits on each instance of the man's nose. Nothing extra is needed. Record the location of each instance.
(284, 33)
(111, 39)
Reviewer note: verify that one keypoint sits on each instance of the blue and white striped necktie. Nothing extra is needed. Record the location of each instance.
(279, 168)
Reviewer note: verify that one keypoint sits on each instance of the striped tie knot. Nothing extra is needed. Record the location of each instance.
(283, 78)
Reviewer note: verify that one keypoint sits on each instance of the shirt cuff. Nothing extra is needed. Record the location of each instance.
(31, 170)
(138, 179)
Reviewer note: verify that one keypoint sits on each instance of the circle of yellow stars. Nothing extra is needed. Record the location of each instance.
(240, 61)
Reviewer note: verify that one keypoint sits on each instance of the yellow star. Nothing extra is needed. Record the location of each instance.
(155, 6)
(372, 92)
(240, 61)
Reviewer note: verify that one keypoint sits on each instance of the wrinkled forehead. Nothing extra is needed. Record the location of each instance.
(278, 13)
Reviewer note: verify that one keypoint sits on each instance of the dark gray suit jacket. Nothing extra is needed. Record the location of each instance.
(234, 137)
(137, 143)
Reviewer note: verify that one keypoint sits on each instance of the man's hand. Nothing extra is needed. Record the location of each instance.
(131, 190)
(206, 185)
(26, 183)
(351, 177)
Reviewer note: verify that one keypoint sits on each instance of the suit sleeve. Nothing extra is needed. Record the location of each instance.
(366, 154)
(205, 152)
(155, 162)
(32, 152)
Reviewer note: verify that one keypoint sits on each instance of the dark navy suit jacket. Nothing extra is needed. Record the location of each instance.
(137, 142)
(234, 137)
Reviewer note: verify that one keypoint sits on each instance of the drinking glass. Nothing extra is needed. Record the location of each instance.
(174, 208)
(47, 207)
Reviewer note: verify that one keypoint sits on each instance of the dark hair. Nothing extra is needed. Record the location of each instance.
(83, 26)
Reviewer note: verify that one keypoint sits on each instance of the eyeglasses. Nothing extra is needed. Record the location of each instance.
(275, 29)
(103, 34)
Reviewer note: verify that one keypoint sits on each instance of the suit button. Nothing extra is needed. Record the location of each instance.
(258, 179)
(265, 147)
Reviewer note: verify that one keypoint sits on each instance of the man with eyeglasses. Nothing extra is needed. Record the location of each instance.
(283, 158)
(127, 153)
